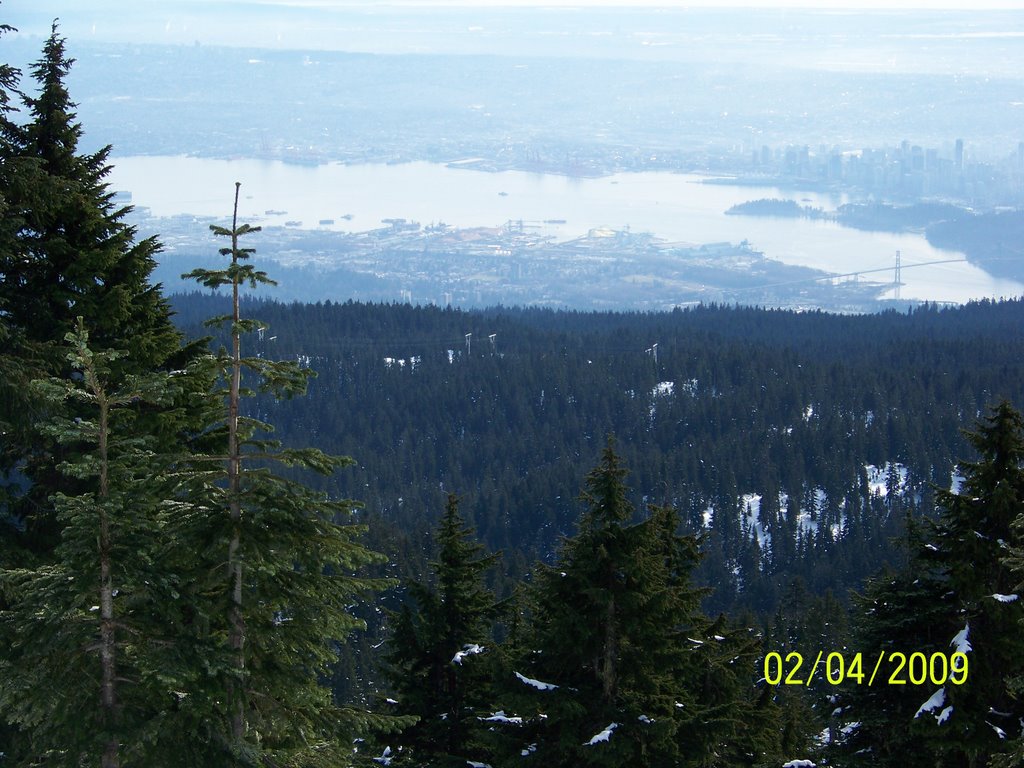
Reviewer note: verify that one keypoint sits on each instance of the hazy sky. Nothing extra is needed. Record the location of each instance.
(408, 26)
(821, 4)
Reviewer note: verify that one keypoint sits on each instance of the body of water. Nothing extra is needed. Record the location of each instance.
(674, 207)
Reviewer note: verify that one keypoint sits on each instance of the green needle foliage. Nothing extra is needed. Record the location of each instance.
(65, 252)
(68, 262)
(960, 582)
(80, 675)
(638, 675)
(441, 648)
(276, 566)
(132, 482)
(1014, 560)
(75, 255)
(971, 540)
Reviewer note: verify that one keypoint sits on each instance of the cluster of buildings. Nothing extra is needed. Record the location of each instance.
(908, 171)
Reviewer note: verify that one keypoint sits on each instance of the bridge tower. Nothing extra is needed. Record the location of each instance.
(899, 277)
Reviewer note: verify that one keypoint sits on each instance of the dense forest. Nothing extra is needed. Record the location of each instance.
(683, 539)
(797, 442)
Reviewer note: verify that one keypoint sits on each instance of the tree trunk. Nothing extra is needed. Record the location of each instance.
(108, 649)
(236, 620)
(610, 652)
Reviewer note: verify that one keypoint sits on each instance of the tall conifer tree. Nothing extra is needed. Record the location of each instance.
(440, 647)
(78, 676)
(77, 256)
(1014, 754)
(624, 668)
(958, 592)
(971, 540)
(12, 361)
(276, 568)
(66, 253)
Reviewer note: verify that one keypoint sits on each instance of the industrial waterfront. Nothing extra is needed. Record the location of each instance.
(500, 237)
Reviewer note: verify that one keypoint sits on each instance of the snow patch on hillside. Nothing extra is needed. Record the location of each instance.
(815, 511)
(878, 478)
(663, 389)
(501, 717)
(806, 524)
(401, 362)
(751, 505)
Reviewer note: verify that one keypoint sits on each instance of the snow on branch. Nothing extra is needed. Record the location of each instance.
(536, 683)
(602, 736)
(501, 717)
(935, 701)
(467, 650)
(960, 642)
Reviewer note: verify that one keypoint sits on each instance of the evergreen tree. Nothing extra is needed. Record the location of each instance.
(624, 668)
(276, 571)
(10, 78)
(1014, 755)
(436, 669)
(13, 360)
(957, 593)
(880, 724)
(76, 676)
(65, 252)
(18, 366)
(970, 543)
(76, 256)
